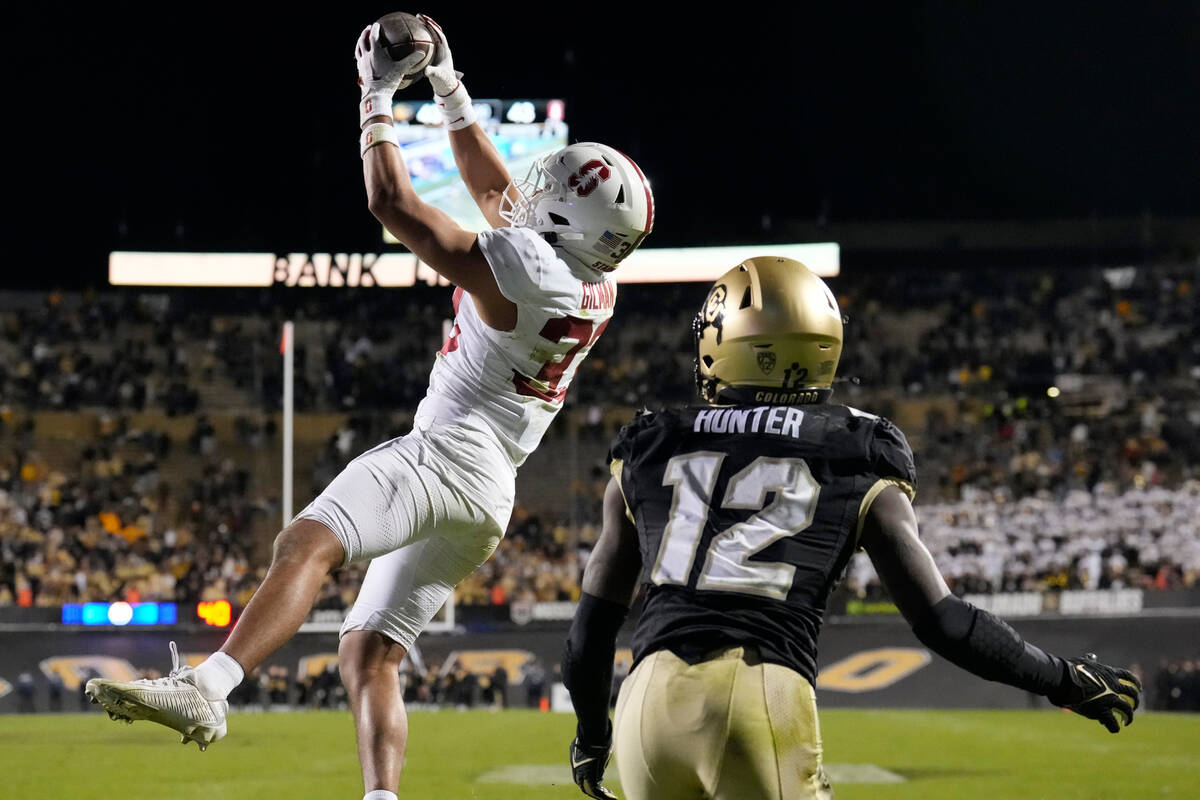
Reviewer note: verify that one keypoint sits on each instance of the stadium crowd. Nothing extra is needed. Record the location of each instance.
(1056, 449)
(1141, 539)
(998, 332)
(105, 526)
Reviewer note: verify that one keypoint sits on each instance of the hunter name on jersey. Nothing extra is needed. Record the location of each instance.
(776, 420)
(747, 517)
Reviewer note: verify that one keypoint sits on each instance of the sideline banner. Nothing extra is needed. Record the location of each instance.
(1092, 603)
(869, 663)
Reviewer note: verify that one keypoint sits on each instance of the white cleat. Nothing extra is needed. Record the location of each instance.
(174, 701)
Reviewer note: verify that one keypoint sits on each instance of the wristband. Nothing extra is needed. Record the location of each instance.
(374, 104)
(457, 110)
(374, 134)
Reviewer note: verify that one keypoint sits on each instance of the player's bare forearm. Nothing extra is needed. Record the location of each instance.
(390, 193)
(423, 229)
(479, 163)
(431, 234)
(482, 170)
(902, 561)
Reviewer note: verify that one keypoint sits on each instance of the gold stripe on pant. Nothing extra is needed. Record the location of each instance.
(727, 728)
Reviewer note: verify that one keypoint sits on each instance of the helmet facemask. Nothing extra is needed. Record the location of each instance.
(522, 212)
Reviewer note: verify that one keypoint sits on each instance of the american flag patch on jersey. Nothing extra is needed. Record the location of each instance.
(607, 243)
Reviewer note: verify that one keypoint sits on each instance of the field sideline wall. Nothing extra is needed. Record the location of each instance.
(863, 663)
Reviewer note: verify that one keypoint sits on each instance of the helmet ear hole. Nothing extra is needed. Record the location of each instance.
(620, 199)
(708, 361)
(558, 219)
(745, 299)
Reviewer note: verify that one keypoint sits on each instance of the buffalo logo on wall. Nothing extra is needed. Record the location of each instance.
(313, 665)
(872, 670)
(485, 662)
(77, 670)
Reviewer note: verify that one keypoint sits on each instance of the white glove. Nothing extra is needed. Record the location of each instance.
(448, 91)
(440, 71)
(379, 76)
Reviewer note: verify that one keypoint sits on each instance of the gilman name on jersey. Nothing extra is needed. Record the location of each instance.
(598, 296)
(778, 420)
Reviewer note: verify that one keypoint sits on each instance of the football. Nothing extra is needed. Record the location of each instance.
(401, 33)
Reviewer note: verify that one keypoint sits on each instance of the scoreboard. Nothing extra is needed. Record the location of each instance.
(216, 613)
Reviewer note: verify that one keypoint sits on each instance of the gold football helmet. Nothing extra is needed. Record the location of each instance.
(769, 332)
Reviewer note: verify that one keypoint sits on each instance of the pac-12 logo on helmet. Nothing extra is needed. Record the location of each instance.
(588, 200)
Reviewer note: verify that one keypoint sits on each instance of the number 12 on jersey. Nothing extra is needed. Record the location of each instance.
(727, 566)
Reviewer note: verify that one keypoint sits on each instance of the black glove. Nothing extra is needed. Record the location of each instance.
(1100, 692)
(587, 768)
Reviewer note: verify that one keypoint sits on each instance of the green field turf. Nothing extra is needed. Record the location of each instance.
(977, 755)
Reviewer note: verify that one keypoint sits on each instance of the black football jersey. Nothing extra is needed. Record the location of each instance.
(747, 518)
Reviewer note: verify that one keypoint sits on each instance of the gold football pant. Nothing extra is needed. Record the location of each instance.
(728, 728)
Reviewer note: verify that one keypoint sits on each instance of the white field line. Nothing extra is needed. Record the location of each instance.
(554, 774)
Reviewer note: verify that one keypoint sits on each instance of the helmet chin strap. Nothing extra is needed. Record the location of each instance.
(554, 237)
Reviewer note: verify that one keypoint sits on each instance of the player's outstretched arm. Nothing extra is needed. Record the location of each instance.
(976, 640)
(609, 583)
(478, 161)
(428, 232)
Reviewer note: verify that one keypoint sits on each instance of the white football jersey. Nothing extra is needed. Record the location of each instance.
(514, 382)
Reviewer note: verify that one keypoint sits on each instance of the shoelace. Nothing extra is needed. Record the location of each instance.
(173, 677)
(175, 668)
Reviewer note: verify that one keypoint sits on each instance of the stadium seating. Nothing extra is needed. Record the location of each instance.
(138, 433)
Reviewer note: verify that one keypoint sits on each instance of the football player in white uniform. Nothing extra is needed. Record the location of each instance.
(533, 294)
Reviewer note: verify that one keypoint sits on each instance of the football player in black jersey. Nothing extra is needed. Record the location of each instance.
(738, 518)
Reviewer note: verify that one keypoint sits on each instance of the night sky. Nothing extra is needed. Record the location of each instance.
(236, 129)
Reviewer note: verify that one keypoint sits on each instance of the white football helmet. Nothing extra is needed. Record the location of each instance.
(587, 200)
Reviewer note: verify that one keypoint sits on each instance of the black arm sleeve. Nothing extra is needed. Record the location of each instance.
(587, 664)
(985, 645)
